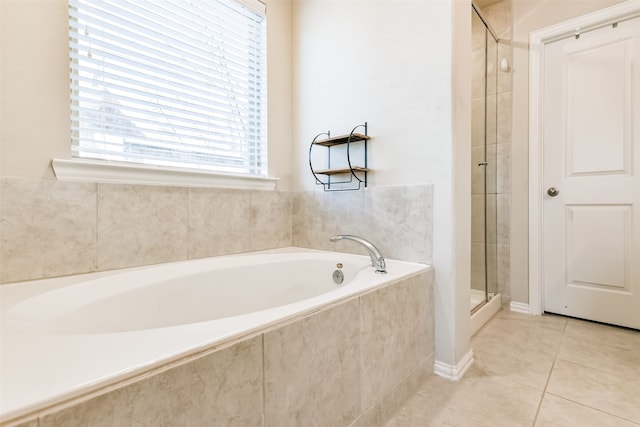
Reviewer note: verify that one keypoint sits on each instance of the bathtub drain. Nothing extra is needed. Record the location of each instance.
(338, 277)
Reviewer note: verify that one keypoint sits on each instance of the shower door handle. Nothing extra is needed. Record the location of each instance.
(553, 191)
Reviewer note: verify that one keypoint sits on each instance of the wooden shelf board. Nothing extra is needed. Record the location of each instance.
(339, 171)
(342, 139)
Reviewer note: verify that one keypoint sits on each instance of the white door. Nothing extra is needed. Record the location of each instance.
(591, 155)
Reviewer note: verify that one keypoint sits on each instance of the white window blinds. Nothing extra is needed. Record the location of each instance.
(170, 82)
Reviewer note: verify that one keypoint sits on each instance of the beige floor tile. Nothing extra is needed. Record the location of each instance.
(514, 347)
(558, 412)
(594, 354)
(612, 336)
(616, 394)
(475, 401)
(591, 373)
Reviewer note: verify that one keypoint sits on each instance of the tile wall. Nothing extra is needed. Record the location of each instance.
(50, 228)
(499, 15)
(498, 127)
(398, 220)
(350, 364)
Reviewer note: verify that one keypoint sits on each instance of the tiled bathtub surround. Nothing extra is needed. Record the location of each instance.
(350, 364)
(399, 220)
(50, 228)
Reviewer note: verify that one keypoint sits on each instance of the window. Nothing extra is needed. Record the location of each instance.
(178, 83)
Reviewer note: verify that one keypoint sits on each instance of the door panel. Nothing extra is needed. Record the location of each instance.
(597, 134)
(591, 154)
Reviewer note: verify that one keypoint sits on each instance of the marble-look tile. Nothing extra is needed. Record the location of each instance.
(341, 212)
(492, 267)
(303, 214)
(219, 222)
(477, 121)
(556, 411)
(223, 388)
(22, 423)
(503, 218)
(503, 168)
(504, 118)
(270, 219)
(504, 270)
(400, 221)
(492, 119)
(477, 73)
(396, 334)
(47, 228)
(477, 266)
(478, 155)
(477, 218)
(381, 411)
(492, 66)
(483, 219)
(141, 225)
(614, 393)
(312, 369)
(475, 401)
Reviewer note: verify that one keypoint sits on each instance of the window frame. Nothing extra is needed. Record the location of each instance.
(85, 169)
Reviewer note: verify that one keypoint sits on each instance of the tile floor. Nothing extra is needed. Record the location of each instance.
(537, 371)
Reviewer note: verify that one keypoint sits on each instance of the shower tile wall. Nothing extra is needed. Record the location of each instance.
(498, 127)
(499, 15)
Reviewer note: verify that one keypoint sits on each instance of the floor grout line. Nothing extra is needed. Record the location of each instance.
(546, 384)
(594, 409)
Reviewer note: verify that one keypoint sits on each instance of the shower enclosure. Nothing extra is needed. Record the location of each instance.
(484, 60)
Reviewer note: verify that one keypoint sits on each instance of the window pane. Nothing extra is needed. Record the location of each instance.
(179, 83)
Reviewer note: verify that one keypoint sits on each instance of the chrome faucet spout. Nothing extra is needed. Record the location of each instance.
(377, 260)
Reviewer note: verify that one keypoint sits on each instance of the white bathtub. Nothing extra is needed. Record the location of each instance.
(64, 337)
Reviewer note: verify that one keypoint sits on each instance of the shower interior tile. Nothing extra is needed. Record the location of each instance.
(504, 118)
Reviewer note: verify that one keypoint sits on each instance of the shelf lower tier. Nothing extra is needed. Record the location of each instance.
(339, 171)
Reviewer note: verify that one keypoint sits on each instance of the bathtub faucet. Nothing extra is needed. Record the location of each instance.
(377, 260)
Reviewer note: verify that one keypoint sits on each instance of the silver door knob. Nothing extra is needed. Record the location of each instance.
(553, 191)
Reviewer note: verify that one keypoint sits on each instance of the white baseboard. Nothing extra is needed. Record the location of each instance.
(454, 372)
(520, 307)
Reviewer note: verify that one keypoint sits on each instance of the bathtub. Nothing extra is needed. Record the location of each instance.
(63, 338)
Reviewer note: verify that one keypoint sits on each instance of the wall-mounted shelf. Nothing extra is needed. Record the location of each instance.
(349, 176)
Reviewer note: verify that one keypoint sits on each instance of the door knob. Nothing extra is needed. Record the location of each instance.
(553, 191)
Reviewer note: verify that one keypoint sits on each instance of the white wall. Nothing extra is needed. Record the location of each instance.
(528, 16)
(390, 63)
(34, 126)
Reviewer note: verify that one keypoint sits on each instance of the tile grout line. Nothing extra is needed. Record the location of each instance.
(553, 364)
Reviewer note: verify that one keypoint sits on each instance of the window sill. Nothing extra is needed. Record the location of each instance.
(100, 171)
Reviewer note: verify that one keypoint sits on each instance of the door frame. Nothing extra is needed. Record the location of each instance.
(537, 41)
